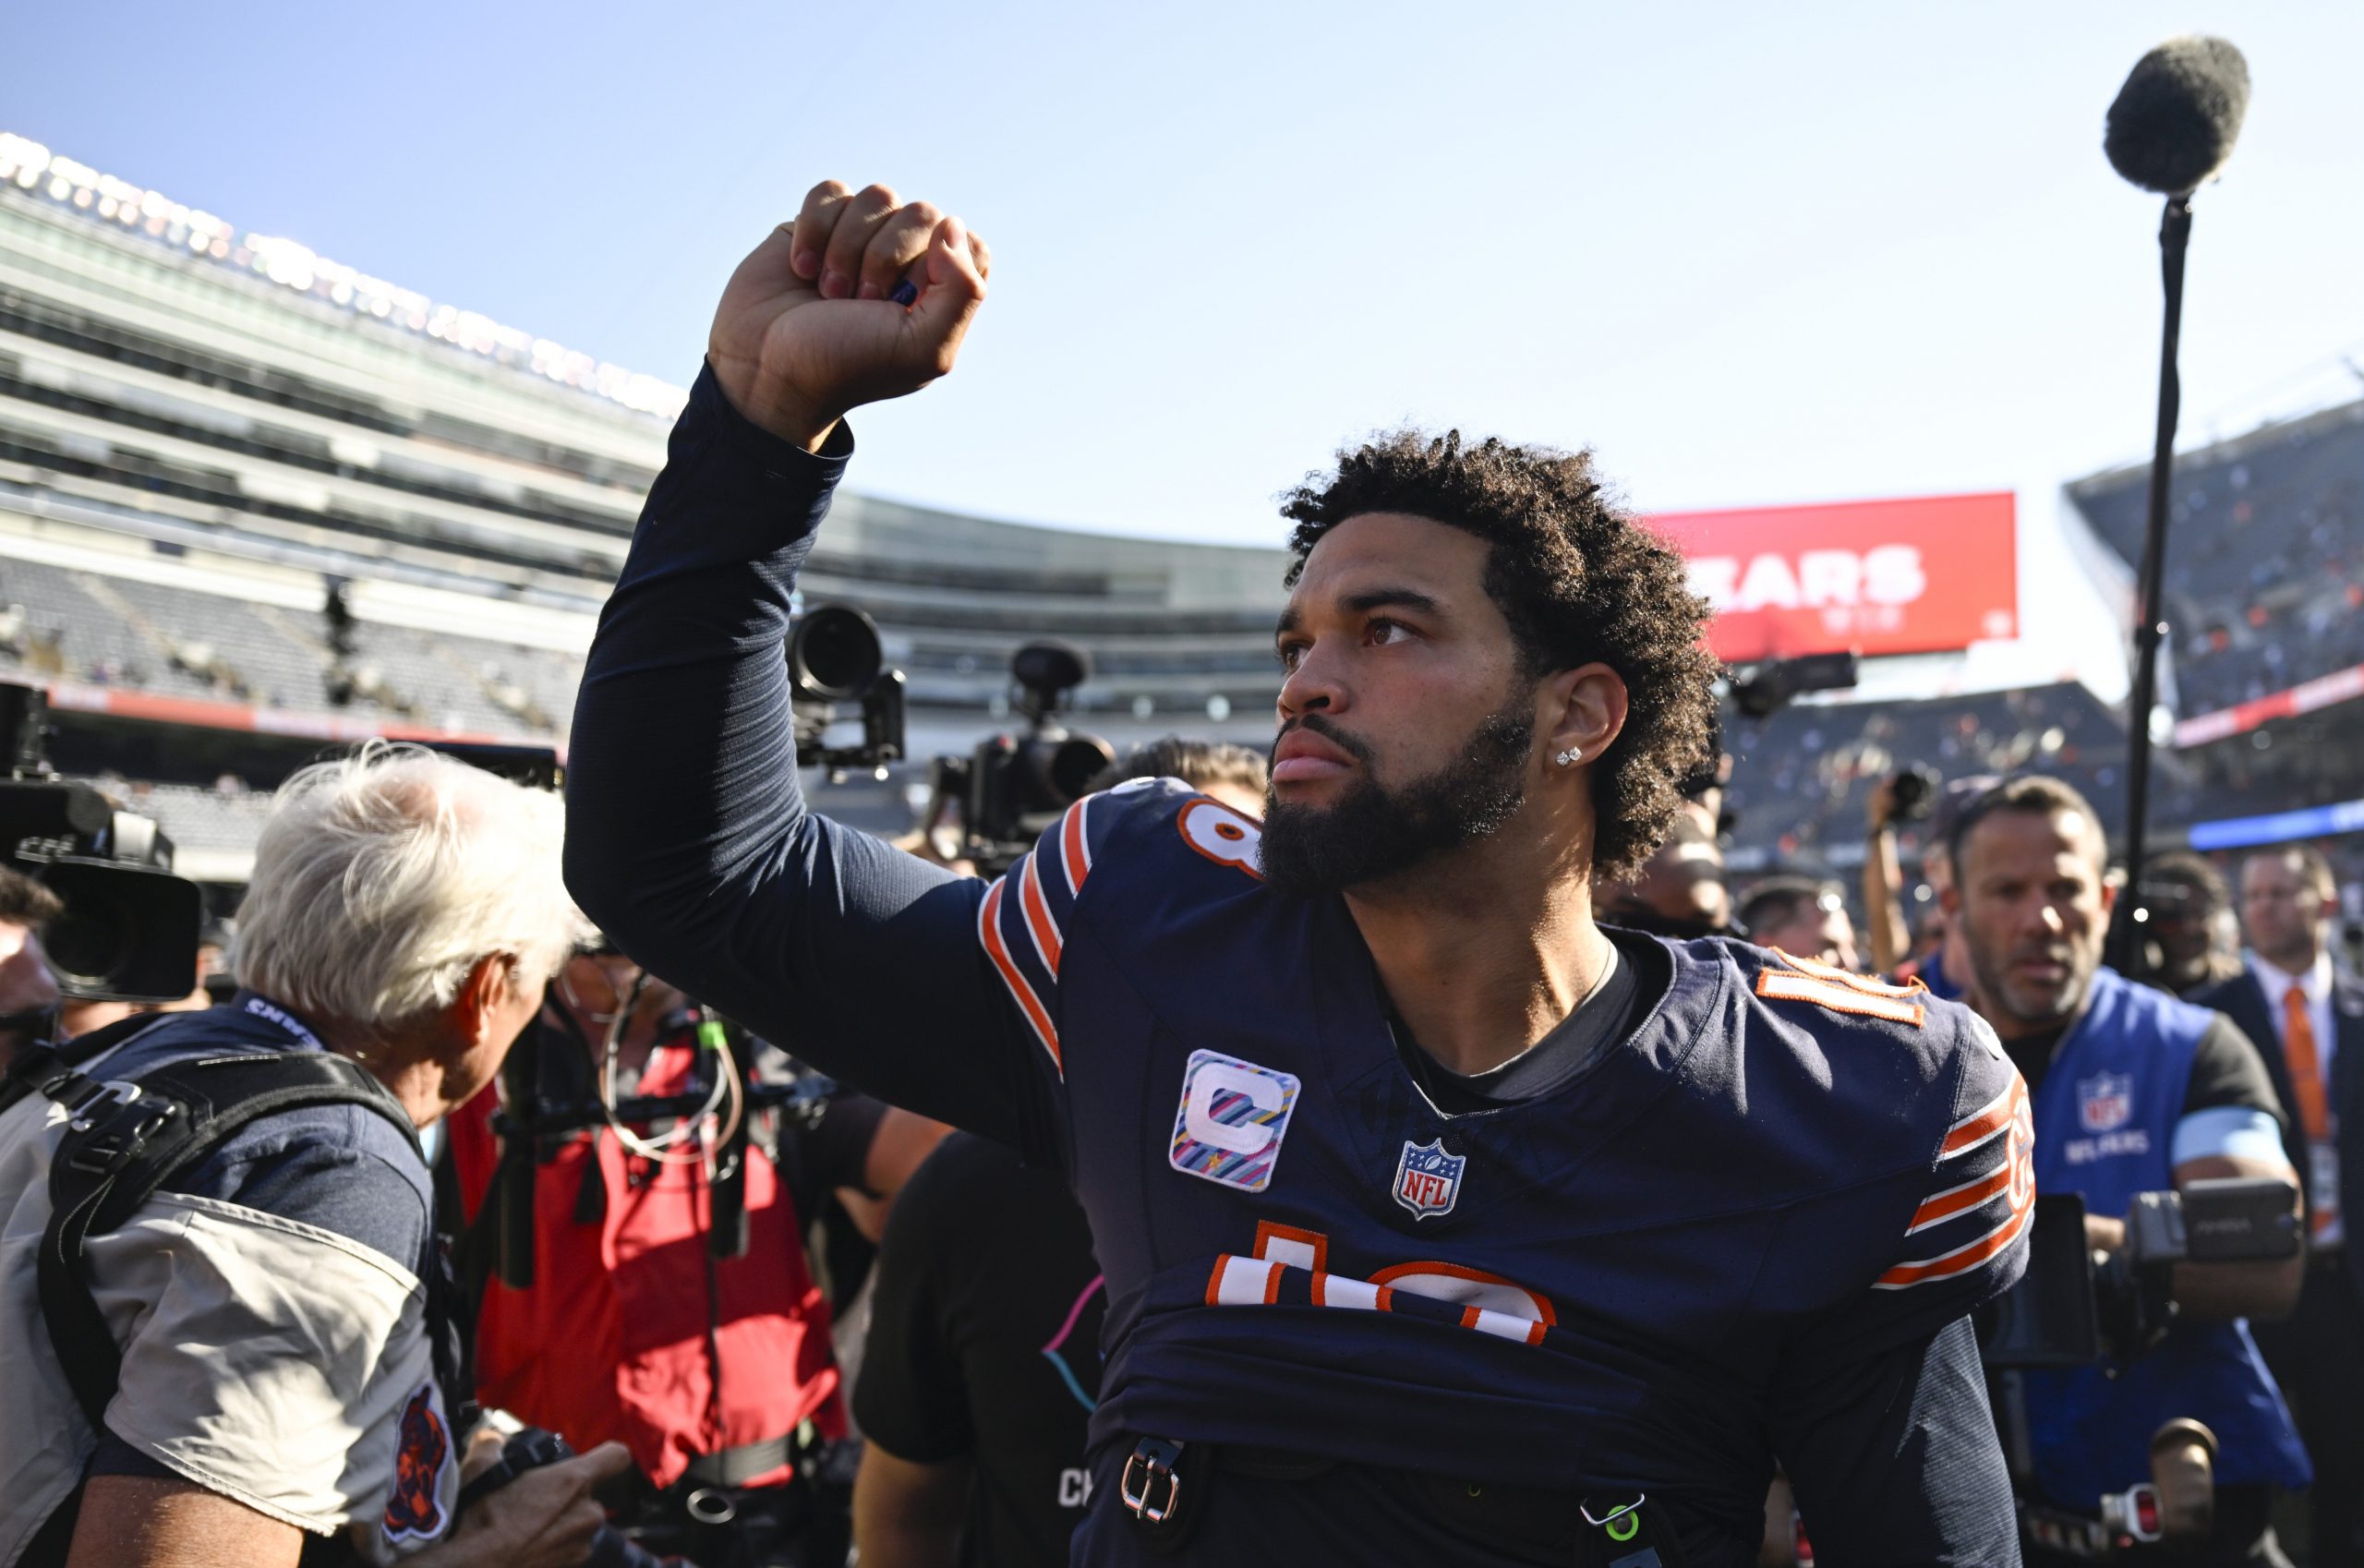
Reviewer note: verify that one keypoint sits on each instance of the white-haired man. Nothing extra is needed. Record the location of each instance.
(271, 1304)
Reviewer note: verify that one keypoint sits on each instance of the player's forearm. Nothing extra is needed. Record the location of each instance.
(681, 772)
(688, 839)
(1895, 1460)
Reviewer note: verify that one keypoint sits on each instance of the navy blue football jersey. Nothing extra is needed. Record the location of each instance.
(1748, 1228)
(1594, 1288)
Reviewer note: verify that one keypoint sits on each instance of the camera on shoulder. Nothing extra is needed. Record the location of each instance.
(129, 932)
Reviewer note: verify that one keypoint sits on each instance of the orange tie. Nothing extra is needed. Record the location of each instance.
(2307, 1084)
(2306, 1073)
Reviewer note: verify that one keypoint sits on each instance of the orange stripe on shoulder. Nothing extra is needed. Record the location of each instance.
(1037, 910)
(1075, 849)
(1869, 985)
(1780, 986)
(1961, 1259)
(1960, 1200)
(989, 933)
(1986, 1122)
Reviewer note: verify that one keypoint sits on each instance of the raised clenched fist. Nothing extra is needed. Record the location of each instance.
(862, 299)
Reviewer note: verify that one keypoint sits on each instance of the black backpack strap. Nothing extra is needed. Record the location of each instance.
(118, 1152)
(42, 1061)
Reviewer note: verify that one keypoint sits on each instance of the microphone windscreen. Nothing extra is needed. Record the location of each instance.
(2174, 121)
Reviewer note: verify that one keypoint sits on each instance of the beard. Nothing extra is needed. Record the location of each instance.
(2034, 1005)
(1372, 833)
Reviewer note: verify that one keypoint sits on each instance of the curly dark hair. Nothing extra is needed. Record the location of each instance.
(1579, 583)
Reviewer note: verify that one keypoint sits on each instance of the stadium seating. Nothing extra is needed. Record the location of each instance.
(226, 819)
(2265, 556)
(204, 431)
(1801, 778)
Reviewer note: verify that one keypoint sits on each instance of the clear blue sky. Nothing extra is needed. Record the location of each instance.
(1750, 253)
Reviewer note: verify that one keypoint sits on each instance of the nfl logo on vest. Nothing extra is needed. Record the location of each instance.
(2107, 1103)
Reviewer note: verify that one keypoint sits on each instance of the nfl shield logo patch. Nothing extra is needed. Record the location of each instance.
(2105, 1103)
(1427, 1179)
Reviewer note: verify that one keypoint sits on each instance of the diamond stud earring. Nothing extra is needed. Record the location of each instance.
(1569, 758)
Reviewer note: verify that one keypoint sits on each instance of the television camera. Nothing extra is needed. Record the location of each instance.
(129, 932)
(834, 660)
(2076, 1306)
(1012, 788)
(1913, 794)
(1762, 689)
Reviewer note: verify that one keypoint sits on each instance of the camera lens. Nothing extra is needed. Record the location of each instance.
(87, 945)
(1075, 764)
(834, 653)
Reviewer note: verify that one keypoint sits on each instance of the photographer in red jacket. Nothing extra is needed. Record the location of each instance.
(712, 1364)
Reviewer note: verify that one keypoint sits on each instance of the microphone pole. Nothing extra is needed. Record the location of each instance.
(2151, 627)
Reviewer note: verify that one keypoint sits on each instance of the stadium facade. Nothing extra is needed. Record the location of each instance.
(247, 489)
(2264, 586)
(252, 500)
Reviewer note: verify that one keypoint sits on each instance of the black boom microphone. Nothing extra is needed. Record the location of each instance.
(2171, 126)
(2174, 121)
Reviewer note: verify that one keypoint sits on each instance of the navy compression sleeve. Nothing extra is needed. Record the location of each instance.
(688, 839)
(1895, 1460)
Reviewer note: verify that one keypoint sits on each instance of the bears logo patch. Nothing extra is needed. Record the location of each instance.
(423, 1450)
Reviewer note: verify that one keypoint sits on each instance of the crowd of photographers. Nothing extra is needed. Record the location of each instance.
(384, 1301)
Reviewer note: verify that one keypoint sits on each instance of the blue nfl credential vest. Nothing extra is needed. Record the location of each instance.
(2104, 1128)
(1941, 986)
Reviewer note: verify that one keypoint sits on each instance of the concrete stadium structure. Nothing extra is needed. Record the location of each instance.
(244, 486)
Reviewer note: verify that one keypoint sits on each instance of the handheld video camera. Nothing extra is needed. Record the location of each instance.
(1914, 796)
(1762, 689)
(834, 660)
(129, 932)
(531, 1448)
(1011, 789)
(2075, 1306)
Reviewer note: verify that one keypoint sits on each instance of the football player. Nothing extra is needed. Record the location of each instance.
(1440, 1222)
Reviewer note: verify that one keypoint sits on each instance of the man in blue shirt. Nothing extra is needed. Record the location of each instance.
(2134, 1091)
(279, 1390)
(1439, 1222)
